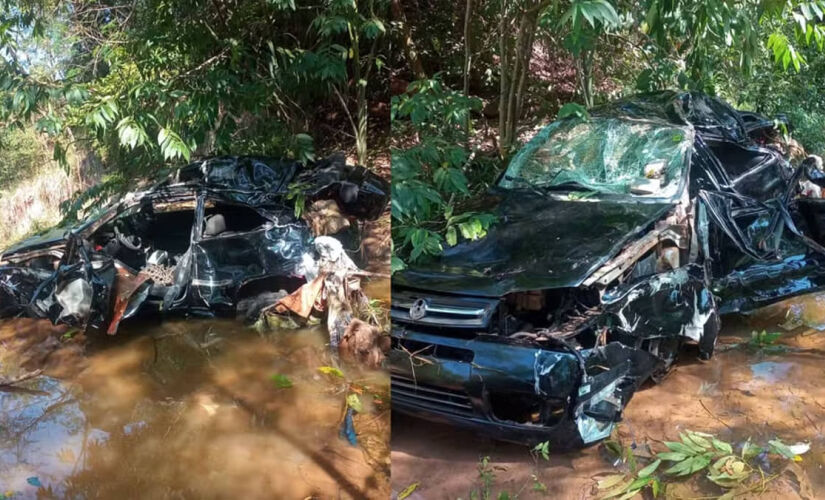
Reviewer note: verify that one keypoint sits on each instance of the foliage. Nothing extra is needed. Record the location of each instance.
(572, 109)
(331, 370)
(354, 402)
(716, 36)
(407, 491)
(429, 177)
(280, 381)
(696, 452)
(146, 85)
(763, 339)
(543, 449)
(359, 23)
(22, 155)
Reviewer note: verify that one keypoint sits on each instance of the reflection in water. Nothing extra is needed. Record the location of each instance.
(188, 408)
(771, 371)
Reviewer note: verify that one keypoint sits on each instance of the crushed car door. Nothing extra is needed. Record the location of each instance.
(236, 243)
(79, 292)
(758, 254)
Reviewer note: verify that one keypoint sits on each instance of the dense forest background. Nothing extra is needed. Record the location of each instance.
(98, 95)
(473, 80)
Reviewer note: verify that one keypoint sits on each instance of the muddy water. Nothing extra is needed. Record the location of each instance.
(743, 392)
(186, 409)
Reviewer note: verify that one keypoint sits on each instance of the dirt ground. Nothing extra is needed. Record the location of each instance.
(742, 392)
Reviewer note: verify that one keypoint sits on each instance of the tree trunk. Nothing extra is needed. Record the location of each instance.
(361, 129)
(584, 70)
(468, 56)
(517, 32)
(410, 53)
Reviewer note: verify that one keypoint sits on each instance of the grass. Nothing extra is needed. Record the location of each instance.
(32, 205)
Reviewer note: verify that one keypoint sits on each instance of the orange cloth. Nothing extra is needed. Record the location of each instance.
(302, 300)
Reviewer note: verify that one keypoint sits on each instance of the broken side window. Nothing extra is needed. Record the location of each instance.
(225, 219)
(155, 233)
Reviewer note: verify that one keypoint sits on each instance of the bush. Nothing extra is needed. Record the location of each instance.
(429, 177)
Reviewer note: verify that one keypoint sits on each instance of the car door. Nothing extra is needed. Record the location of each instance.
(236, 243)
(757, 252)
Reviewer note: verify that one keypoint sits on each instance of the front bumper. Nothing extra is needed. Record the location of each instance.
(514, 390)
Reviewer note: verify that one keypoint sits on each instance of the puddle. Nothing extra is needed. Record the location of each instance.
(771, 371)
(187, 408)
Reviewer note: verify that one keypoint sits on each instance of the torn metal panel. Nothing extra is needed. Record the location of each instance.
(130, 293)
(673, 303)
(17, 287)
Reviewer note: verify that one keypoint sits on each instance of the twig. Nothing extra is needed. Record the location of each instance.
(369, 274)
(713, 415)
(11, 382)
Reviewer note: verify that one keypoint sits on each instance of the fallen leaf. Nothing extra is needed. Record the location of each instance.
(331, 370)
(281, 381)
(210, 408)
(407, 491)
(354, 402)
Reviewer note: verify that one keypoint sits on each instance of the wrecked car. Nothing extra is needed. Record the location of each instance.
(619, 237)
(200, 241)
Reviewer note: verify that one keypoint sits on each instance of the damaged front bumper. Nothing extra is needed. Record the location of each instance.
(459, 359)
(516, 390)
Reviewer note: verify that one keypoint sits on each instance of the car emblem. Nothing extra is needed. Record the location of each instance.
(418, 309)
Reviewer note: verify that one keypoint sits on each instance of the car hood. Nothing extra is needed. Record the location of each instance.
(537, 243)
(48, 238)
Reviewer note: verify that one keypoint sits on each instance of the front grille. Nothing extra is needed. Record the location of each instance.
(442, 310)
(406, 390)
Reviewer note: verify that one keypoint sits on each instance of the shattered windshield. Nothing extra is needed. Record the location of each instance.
(603, 155)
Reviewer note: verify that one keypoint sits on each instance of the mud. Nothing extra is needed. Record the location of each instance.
(746, 390)
(187, 409)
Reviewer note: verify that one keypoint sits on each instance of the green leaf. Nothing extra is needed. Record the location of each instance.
(572, 109)
(722, 446)
(131, 133)
(610, 481)
(543, 449)
(354, 402)
(700, 442)
(451, 236)
(331, 370)
(70, 333)
(630, 494)
(172, 146)
(672, 456)
(650, 469)
(281, 381)
(780, 448)
(680, 448)
(407, 491)
(655, 487)
(397, 264)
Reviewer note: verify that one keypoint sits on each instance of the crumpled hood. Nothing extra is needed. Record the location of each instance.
(537, 243)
